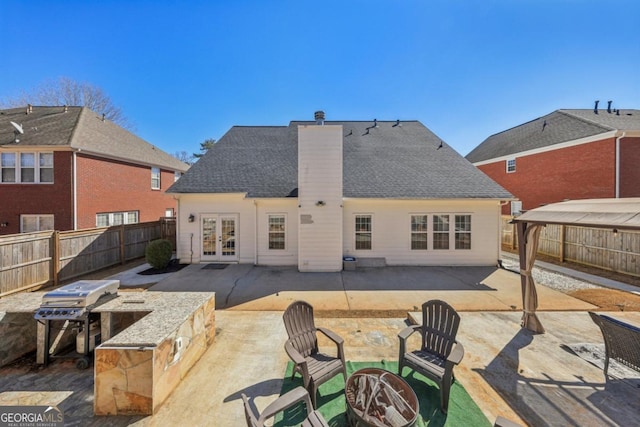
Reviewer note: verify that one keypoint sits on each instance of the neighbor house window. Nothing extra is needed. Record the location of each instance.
(277, 232)
(363, 232)
(46, 167)
(419, 234)
(31, 223)
(511, 165)
(26, 167)
(155, 178)
(441, 232)
(8, 165)
(176, 176)
(463, 232)
(116, 218)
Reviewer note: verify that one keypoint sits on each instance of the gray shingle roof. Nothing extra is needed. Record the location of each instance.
(401, 162)
(81, 128)
(557, 127)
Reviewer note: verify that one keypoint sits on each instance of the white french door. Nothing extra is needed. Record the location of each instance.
(219, 237)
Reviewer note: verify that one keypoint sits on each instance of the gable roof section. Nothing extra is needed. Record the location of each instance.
(80, 128)
(401, 162)
(555, 128)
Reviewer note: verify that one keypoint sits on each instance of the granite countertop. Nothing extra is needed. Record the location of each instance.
(167, 311)
(24, 302)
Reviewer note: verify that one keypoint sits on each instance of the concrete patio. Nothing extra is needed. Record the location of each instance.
(527, 378)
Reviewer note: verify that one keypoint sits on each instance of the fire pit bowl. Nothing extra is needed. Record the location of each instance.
(379, 398)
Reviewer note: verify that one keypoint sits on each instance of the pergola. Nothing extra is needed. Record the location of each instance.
(615, 214)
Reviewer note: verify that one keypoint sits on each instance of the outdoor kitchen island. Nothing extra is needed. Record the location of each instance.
(150, 340)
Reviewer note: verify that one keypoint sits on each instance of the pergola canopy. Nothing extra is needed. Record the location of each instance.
(598, 213)
(616, 214)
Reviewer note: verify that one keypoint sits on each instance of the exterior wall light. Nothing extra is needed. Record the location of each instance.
(192, 217)
(320, 203)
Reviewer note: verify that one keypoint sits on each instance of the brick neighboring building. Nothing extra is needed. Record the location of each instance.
(69, 169)
(565, 155)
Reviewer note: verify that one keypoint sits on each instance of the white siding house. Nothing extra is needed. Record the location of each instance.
(310, 193)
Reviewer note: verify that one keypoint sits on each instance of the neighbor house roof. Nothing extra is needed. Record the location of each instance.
(557, 127)
(81, 129)
(396, 162)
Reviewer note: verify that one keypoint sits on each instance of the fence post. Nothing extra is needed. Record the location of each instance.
(562, 238)
(55, 257)
(121, 233)
(513, 236)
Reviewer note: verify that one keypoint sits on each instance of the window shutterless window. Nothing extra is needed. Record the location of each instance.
(155, 178)
(277, 225)
(116, 218)
(463, 232)
(46, 167)
(363, 232)
(176, 175)
(8, 165)
(31, 223)
(441, 232)
(419, 232)
(511, 165)
(26, 168)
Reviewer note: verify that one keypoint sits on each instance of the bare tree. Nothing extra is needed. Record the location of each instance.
(183, 156)
(66, 91)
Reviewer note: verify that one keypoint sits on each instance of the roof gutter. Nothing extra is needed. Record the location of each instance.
(618, 138)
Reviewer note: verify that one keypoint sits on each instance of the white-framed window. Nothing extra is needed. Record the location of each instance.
(363, 235)
(419, 232)
(108, 219)
(176, 175)
(463, 231)
(31, 223)
(511, 165)
(9, 167)
(26, 167)
(277, 230)
(516, 207)
(440, 231)
(168, 212)
(155, 178)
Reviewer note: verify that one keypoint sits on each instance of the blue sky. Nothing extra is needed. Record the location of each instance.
(186, 71)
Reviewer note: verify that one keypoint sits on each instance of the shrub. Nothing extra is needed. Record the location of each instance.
(158, 253)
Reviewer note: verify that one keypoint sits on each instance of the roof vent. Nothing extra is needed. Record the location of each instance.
(103, 116)
(609, 106)
(319, 117)
(66, 108)
(595, 108)
(29, 108)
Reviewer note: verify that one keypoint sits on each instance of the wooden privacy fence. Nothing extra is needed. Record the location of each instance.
(33, 260)
(596, 247)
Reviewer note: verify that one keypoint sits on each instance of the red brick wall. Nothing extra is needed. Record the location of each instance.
(630, 167)
(580, 172)
(113, 186)
(56, 198)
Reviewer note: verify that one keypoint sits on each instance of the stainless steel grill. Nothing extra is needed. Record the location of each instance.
(73, 304)
(73, 301)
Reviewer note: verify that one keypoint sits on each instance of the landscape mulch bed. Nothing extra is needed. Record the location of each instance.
(173, 266)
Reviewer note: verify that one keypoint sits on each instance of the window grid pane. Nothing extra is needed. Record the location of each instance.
(441, 232)
(8, 165)
(46, 167)
(463, 232)
(276, 232)
(419, 235)
(363, 232)
(155, 178)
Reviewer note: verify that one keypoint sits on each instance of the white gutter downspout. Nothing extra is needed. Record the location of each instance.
(255, 236)
(618, 164)
(75, 192)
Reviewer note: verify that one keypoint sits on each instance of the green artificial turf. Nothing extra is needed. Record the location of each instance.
(463, 411)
